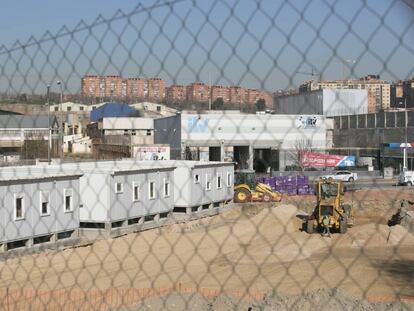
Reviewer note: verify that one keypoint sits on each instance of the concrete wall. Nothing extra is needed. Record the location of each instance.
(34, 224)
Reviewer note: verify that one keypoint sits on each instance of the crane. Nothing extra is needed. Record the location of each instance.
(312, 73)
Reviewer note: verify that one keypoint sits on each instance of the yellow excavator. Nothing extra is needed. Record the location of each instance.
(330, 209)
(246, 189)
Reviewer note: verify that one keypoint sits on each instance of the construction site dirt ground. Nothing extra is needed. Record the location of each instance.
(258, 248)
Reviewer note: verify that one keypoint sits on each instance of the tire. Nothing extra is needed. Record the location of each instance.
(351, 179)
(242, 196)
(309, 226)
(267, 197)
(409, 184)
(343, 225)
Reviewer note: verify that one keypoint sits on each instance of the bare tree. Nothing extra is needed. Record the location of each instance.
(301, 145)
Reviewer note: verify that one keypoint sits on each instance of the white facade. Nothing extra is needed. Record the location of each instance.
(154, 108)
(37, 202)
(258, 131)
(126, 124)
(73, 107)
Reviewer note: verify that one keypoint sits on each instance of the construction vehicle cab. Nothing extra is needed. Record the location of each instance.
(330, 207)
(246, 189)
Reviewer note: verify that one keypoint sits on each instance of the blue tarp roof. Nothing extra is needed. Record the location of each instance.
(112, 110)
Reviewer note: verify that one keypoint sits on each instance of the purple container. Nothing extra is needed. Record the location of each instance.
(279, 180)
(260, 179)
(303, 189)
(280, 189)
(311, 190)
(292, 191)
(302, 180)
(291, 181)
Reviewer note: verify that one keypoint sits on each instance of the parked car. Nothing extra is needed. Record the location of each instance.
(342, 175)
(406, 178)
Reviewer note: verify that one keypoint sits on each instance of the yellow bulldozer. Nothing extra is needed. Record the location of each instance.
(246, 189)
(330, 209)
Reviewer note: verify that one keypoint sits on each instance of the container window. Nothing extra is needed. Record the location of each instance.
(18, 207)
(151, 190)
(44, 203)
(68, 200)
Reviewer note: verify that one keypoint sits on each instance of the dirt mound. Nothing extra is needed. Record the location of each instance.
(321, 299)
(275, 237)
(375, 235)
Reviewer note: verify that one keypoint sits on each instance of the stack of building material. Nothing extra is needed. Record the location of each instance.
(291, 185)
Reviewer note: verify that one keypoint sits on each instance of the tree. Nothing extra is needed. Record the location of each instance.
(260, 104)
(218, 104)
(300, 146)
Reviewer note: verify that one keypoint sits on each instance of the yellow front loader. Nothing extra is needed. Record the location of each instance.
(331, 208)
(246, 189)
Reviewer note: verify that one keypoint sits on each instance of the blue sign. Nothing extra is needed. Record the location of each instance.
(197, 125)
(347, 161)
(307, 122)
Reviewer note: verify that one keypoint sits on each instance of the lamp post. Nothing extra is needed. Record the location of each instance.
(405, 136)
(350, 61)
(61, 122)
(48, 124)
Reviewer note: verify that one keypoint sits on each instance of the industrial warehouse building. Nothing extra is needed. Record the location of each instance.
(251, 141)
(38, 206)
(370, 135)
(327, 102)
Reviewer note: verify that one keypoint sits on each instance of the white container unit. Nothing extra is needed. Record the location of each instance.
(38, 206)
(201, 185)
(117, 193)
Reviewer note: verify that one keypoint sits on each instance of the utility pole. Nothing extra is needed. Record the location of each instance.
(405, 134)
(61, 135)
(209, 91)
(351, 61)
(48, 124)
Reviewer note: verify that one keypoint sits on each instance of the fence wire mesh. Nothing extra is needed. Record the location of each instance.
(213, 90)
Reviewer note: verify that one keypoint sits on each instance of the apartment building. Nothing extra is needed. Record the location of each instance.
(176, 93)
(253, 95)
(379, 91)
(220, 91)
(198, 92)
(135, 87)
(402, 93)
(112, 87)
(155, 89)
(237, 94)
(93, 86)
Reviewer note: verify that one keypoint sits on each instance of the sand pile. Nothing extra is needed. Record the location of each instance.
(375, 235)
(274, 236)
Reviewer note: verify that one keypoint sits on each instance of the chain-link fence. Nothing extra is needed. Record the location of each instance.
(181, 156)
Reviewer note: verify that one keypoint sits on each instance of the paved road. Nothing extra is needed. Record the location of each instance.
(373, 183)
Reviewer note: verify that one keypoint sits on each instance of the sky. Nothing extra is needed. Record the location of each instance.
(267, 44)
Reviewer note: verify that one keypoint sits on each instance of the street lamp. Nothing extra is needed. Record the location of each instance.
(405, 135)
(48, 123)
(350, 61)
(61, 121)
